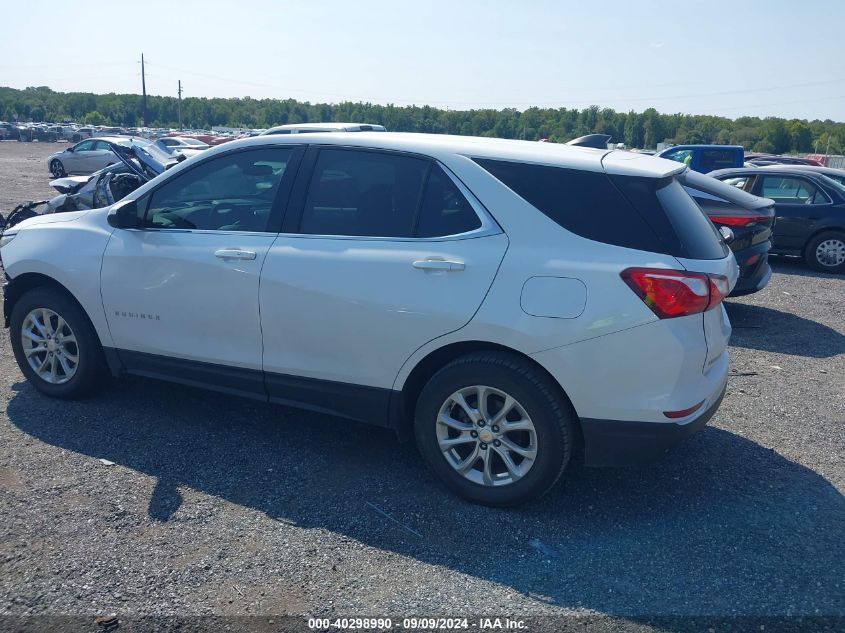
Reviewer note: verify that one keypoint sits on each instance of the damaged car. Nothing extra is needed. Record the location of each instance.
(136, 165)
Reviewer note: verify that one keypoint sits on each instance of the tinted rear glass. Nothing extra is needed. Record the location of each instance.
(647, 214)
(699, 238)
(585, 203)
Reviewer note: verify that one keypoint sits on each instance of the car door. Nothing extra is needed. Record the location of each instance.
(380, 253)
(181, 293)
(79, 160)
(799, 204)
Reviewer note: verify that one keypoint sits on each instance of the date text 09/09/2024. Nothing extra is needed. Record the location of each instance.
(387, 624)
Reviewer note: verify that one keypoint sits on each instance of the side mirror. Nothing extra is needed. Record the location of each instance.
(69, 149)
(123, 215)
(727, 234)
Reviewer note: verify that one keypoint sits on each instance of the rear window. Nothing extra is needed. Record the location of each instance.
(712, 159)
(647, 214)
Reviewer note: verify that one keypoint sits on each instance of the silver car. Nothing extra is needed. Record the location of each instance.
(88, 156)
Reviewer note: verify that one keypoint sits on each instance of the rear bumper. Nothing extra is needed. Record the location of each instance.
(619, 443)
(754, 270)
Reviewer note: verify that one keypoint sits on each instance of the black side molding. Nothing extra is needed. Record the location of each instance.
(370, 405)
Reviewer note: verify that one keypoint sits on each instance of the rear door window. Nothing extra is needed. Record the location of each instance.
(787, 190)
(444, 210)
(363, 193)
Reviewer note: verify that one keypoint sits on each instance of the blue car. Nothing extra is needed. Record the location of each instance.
(706, 158)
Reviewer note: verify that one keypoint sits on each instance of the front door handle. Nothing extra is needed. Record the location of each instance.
(439, 264)
(234, 253)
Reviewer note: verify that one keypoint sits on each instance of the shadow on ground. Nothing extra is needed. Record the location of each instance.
(770, 330)
(789, 265)
(721, 526)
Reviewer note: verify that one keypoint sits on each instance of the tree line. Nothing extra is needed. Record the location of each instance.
(635, 129)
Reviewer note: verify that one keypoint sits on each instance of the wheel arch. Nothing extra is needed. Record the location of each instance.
(404, 405)
(25, 282)
(835, 227)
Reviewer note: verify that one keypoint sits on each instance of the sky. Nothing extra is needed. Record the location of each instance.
(728, 58)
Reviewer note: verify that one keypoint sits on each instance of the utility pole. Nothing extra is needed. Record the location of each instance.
(180, 105)
(144, 89)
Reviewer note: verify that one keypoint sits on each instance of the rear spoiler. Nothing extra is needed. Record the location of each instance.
(596, 141)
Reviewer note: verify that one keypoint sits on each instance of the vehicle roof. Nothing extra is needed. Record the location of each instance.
(553, 154)
(702, 146)
(762, 169)
(328, 125)
(816, 168)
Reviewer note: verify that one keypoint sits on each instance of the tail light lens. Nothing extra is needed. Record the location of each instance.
(739, 220)
(676, 293)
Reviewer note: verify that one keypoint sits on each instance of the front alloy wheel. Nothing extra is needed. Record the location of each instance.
(57, 169)
(486, 435)
(55, 343)
(50, 346)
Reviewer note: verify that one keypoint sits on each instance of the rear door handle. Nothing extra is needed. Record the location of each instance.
(234, 253)
(439, 264)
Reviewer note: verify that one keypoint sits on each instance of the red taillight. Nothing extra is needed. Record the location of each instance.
(719, 289)
(675, 293)
(738, 220)
(683, 412)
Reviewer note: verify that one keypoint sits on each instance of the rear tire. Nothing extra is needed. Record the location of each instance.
(462, 422)
(55, 345)
(826, 252)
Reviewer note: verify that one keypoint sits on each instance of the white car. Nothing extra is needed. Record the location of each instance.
(309, 128)
(88, 156)
(180, 144)
(498, 300)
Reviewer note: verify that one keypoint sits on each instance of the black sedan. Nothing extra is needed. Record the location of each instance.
(810, 210)
(750, 220)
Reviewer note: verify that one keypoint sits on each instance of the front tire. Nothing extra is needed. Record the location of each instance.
(57, 169)
(495, 430)
(55, 345)
(826, 252)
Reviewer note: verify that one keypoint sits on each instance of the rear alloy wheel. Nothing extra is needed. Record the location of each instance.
(494, 429)
(55, 345)
(57, 169)
(826, 252)
(486, 436)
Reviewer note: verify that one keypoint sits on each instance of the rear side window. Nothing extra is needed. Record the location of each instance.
(787, 190)
(647, 214)
(585, 203)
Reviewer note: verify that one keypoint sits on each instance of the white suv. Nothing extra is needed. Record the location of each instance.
(500, 300)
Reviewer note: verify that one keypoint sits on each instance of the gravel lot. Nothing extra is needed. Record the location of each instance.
(220, 506)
